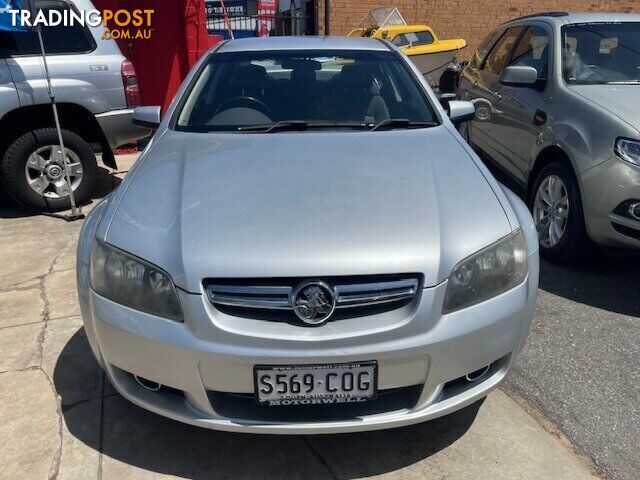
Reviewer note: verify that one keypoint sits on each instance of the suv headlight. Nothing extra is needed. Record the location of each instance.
(132, 282)
(628, 150)
(487, 273)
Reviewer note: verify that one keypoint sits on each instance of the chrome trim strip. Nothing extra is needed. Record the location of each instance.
(250, 290)
(375, 293)
(246, 302)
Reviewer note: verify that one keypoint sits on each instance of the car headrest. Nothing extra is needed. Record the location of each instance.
(250, 77)
(304, 72)
(356, 77)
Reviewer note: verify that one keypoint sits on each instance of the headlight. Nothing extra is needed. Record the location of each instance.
(628, 150)
(132, 282)
(485, 274)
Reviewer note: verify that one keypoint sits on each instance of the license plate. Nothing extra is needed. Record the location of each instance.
(315, 384)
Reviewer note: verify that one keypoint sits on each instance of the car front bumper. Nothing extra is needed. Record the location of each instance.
(205, 359)
(605, 187)
(119, 129)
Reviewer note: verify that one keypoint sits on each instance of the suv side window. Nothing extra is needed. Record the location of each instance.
(483, 49)
(57, 40)
(497, 59)
(533, 51)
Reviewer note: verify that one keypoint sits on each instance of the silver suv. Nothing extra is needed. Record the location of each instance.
(557, 100)
(96, 89)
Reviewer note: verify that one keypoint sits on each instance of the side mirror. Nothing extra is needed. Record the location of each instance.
(148, 117)
(460, 111)
(519, 76)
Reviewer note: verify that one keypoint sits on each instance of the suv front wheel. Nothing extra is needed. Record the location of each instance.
(33, 173)
(556, 207)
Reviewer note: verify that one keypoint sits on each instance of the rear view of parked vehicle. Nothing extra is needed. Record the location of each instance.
(557, 101)
(95, 88)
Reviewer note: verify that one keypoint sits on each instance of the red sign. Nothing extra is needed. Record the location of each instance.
(266, 12)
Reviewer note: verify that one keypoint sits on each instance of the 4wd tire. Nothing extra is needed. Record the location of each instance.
(556, 206)
(32, 170)
(463, 130)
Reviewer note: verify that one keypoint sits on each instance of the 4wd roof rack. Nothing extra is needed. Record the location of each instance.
(540, 14)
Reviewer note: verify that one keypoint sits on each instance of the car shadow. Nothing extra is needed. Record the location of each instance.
(125, 433)
(602, 282)
(105, 183)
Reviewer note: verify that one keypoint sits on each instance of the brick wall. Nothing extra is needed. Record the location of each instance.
(468, 19)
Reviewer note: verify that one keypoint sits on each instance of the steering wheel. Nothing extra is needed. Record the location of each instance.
(244, 101)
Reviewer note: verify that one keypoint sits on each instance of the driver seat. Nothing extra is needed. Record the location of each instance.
(357, 99)
(249, 81)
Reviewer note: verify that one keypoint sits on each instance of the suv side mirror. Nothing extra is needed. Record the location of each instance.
(148, 117)
(519, 76)
(460, 111)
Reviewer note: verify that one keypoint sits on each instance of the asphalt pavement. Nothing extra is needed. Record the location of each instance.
(581, 364)
(580, 368)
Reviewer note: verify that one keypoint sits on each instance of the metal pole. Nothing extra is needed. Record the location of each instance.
(326, 18)
(226, 19)
(74, 211)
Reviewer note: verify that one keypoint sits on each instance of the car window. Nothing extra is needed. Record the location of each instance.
(497, 59)
(483, 49)
(57, 39)
(353, 88)
(413, 38)
(600, 53)
(533, 51)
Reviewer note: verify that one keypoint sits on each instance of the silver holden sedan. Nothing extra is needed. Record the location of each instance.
(307, 245)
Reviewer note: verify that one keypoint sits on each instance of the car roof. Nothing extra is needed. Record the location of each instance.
(302, 43)
(600, 17)
(565, 18)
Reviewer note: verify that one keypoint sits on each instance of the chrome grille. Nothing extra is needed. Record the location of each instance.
(279, 296)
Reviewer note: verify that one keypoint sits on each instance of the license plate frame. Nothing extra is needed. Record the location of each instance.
(317, 368)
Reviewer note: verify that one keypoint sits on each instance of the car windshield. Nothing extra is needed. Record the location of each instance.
(413, 38)
(253, 91)
(601, 53)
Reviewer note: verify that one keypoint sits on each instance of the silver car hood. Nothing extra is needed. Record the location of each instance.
(621, 100)
(308, 204)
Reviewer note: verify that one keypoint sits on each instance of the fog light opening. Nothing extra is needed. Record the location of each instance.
(634, 210)
(148, 384)
(477, 375)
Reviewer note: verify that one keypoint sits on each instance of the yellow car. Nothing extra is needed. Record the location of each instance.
(431, 55)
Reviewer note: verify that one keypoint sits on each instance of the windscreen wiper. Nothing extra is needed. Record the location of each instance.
(390, 123)
(624, 82)
(290, 125)
(301, 125)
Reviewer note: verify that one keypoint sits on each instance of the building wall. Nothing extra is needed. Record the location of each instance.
(468, 19)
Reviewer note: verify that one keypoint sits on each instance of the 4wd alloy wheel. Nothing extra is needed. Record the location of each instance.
(32, 169)
(45, 171)
(551, 210)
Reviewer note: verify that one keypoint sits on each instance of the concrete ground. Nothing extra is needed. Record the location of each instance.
(59, 417)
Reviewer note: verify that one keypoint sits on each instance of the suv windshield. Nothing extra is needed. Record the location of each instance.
(320, 89)
(601, 53)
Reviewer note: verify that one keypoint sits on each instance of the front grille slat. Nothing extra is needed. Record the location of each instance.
(375, 293)
(242, 293)
(249, 302)
(250, 290)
